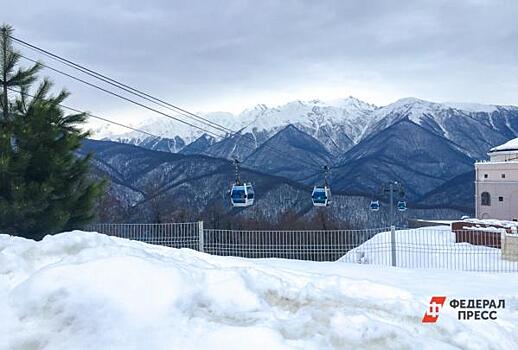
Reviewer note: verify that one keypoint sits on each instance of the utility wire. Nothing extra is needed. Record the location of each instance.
(143, 95)
(283, 154)
(140, 93)
(120, 96)
(122, 86)
(89, 114)
(105, 119)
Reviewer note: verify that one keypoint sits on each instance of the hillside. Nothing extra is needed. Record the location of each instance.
(406, 152)
(290, 153)
(146, 186)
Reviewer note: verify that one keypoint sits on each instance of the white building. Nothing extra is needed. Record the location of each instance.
(496, 183)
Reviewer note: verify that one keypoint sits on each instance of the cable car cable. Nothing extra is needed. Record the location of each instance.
(137, 92)
(89, 114)
(118, 84)
(120, 96)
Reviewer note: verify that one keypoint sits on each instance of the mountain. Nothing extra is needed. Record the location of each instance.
(423, 144)
(172, 145)
(239, 145)
(404, 151)
(142, 179)
(458, 193)
(474, 128)
(199, 146)
(338, 125)
(150, 186)
(179, 134)
(290, 153)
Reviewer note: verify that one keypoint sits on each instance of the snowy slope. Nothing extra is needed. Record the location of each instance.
(169, 128)
(431, 247)
(406, 152)
(474, 127)
(315, 117)
(88, 291)
(417, 110)
(338, 124)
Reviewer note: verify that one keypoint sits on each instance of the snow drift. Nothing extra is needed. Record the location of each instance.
(82, 290)
(430, 247)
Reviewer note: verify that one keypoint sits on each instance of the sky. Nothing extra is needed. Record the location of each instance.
(233, 54)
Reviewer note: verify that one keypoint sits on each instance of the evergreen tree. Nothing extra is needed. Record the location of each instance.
(44, 185)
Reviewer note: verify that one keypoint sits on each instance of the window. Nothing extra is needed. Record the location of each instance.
(500, 199)
(485, 176)
(503, 176)
(485, 198)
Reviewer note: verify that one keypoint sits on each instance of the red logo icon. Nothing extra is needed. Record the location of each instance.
(432, 313)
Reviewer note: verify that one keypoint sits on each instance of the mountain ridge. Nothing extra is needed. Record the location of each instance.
(342, 123)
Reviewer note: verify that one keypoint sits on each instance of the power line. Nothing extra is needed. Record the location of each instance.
(122, 86)
(120, 96)
(283, 154)
(145, 96)
(90, 114)
(139, 93)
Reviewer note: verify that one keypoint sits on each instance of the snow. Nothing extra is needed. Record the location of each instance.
(327, 120)
(421, 107)
(472, 107)
(495, 222)
(82, 290)
(312, 114)
(511, 145)
(430, 247)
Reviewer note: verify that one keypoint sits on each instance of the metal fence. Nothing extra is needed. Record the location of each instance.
(316, 245)
(430, 248)
(436, 248)
(175, 235)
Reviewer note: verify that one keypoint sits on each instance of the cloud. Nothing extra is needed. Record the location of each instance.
(230, 54)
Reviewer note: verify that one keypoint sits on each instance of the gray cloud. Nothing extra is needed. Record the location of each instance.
(228, 54)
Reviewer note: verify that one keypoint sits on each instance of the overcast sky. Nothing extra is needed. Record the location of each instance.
(229, 55)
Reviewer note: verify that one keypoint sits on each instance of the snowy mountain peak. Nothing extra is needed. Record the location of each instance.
(344, 118)
(352, 103)
(338, 124)
(410, 100)
(472, 107)
(258, 107)
(420, 105)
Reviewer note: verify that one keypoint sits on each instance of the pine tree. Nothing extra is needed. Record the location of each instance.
(10, 78)
(44, 184)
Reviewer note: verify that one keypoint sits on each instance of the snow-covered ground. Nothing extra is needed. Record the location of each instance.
(430, 247)
(83, 290)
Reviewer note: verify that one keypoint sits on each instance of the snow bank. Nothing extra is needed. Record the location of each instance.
(82, 290)
(430, 247)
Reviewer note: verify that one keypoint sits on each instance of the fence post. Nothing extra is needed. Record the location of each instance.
(393, 244)
(200, 237)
